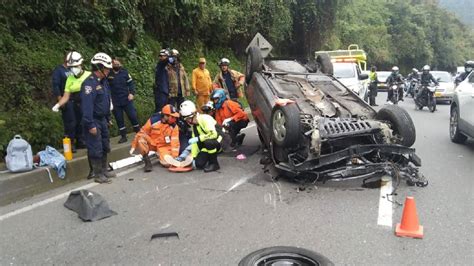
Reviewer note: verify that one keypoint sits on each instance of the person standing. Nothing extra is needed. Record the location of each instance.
(177, 79)
(70, 102)
(96, 105)
(373, 81)
(161, 88)
(230, 80)
(122, 88)
(201, 83)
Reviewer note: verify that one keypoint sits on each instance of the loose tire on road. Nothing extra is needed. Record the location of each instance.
(285, 125)
(284, 256)
(254, 63)
(325, 64)
(454, 134)
(400, 122)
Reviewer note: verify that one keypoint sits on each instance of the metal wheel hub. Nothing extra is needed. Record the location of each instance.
(279, 125)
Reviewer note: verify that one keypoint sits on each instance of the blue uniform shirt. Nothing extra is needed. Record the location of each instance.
(161, 77)
(121, 84)
(230, 84)
(60, 74)
(95, 100)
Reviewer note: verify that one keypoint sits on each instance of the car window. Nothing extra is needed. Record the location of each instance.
(344, 70)
(443, 76)
(382, 76)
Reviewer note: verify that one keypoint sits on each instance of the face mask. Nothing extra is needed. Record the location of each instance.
(116, 68)
(76, 70)
(171, 60)
(468, 69)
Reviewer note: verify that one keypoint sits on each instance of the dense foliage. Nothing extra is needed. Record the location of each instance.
(34, 35)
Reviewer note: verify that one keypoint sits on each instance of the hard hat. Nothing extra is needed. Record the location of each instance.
(169, 110)
(202, 60)
(426, 68)
(164, 52)
(224, 62)
(174, 52)
(220, 95)
(74, 59)
(395, 68)
(187, 108)
(102, 59)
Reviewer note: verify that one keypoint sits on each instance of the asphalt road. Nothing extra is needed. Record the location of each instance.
(223, 216)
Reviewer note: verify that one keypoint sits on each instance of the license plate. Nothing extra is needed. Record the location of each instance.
(438, 94)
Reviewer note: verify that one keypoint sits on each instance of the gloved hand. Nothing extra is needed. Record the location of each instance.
(193, 140)
(132, 150)
(56, 108)
(226, 122)
(179, 159)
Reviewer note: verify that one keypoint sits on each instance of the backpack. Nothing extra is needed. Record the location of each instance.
(19, 155)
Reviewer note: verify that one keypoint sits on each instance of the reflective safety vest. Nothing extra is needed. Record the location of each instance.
(372, 76)
(206, 129)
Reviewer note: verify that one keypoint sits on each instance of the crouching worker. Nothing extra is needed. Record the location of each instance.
(204, 141)
(160, 134)
(230, 116)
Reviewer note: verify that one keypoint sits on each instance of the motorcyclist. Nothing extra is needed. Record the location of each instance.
(394, 78)
(425, 79)
(414, 75)
(468, 66)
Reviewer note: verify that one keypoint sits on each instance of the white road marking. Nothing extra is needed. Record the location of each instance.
(385, 206)
(57, 197)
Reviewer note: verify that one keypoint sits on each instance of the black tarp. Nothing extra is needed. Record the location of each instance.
(90, 206)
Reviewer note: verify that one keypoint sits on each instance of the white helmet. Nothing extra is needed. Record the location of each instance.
(174, 52)
(395, 68)
(74, 59)
(224, 62)
(426, 68)
(414, 70)
(103, 59)
(187, 108)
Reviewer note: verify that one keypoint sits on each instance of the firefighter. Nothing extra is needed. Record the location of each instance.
(201, 83)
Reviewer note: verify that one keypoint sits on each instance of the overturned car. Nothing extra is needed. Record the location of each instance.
(316, 129)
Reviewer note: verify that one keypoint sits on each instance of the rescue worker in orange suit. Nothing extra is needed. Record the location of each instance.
(201, 83)
(230, 80)
(160, 134)
(230, 116)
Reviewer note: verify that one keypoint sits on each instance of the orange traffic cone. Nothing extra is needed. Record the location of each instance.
(409, 227)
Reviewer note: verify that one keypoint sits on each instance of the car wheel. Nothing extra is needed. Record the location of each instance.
(254, 63)
(325, 64)
(285, 125)
(454, 134)
(400, 122)
(284, 256)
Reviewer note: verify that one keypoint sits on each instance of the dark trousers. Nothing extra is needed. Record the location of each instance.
(161, 99)
(372, 93)
(71, 114)
(203, 157)
(235, 127)
(176, 101)
(98, 145)
(131, 112)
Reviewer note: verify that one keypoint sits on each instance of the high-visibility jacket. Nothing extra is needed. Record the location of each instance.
(230, 109)
(159, 134)
(201, 81)
(206, 128)
(373, 77)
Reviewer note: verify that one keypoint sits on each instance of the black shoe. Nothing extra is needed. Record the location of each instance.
(148, 167)
(240, 139)
(123, 139)
(211, 167)
(102, 179)
(105, 168)
(98, 174)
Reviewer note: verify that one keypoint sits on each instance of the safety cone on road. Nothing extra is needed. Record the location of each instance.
(409, 227)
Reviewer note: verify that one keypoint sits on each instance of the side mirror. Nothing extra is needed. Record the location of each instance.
(363, 76)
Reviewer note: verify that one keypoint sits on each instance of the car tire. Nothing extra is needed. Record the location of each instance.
(254, 63)
(285, 125)
(325, 64)
(400, 122)
(284, 255)
(454, 133)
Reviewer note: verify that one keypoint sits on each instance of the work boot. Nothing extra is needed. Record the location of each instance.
(240, 139)
(105, 168)
(213, 164)
(148, 167)
(123, 136)
(99, 176)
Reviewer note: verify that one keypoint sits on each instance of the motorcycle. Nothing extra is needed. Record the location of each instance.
(426, 98)
(395, 90)
(413, 87)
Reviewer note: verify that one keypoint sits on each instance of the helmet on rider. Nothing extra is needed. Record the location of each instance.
(395, 69)
(187, 109)
(414, 70)
(468, 66)
(426, 69)
(224, 62)
(218, 97)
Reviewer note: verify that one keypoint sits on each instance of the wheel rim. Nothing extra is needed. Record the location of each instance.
(285, 259)
(279, 126)
(453, 123)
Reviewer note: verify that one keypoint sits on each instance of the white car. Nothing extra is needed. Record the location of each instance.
(350, 75)
(445, 90)
(461, 125)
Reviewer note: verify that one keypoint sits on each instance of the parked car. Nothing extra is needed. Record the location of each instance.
(461, 125)
(382, 77)
(352, 77)
(445, 90)
(317, 129)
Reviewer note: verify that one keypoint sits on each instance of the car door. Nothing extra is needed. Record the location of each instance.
(465, 92)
